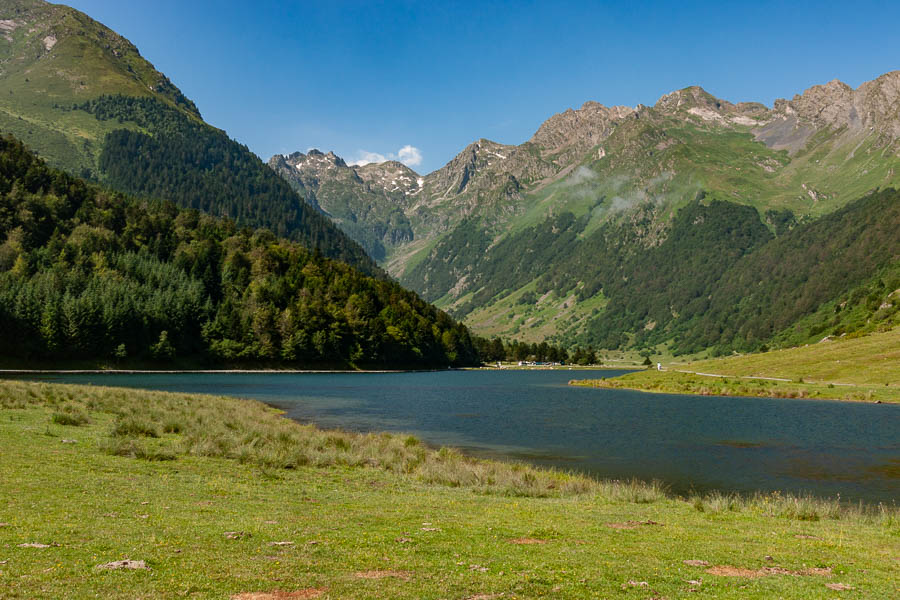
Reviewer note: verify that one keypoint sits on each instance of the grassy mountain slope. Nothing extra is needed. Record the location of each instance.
(89, 275)
(84, 98)
(51, 57)
(486, 230)
(855, 367)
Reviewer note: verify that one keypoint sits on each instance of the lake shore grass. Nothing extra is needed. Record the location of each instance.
(862, 369)
(221, 497)
(673, 382)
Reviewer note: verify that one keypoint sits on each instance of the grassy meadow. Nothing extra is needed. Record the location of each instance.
(865, 368)
(215, 497)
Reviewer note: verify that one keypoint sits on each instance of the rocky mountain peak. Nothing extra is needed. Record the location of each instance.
(689, 97)
(701, 105)
(581, 129)
(873, 107)
(391, 177)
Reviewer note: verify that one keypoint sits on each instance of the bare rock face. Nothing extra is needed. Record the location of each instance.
(881, 104)
(579, 130)
(874, 107)
(391, 177)
(832, 105)
(473, 168)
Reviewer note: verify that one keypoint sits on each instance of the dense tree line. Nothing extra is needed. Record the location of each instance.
(650, 283)
(658, 292)
(497, 349)
(90, 274)
(182, 159)
(793, 275)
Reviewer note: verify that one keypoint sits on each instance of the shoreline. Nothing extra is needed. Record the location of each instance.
(200, 371)
(296, 371)
(682, 383)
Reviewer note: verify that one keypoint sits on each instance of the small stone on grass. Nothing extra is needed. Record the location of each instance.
(134, 565)
(839, 587)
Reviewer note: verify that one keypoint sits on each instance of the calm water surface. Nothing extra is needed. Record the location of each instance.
(689, 442)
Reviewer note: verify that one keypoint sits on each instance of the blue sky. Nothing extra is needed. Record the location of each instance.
(431, 77)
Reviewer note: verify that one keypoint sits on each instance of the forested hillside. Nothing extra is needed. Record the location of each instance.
(849, 259)
(715, 278)
(88, 274)
(184, 160)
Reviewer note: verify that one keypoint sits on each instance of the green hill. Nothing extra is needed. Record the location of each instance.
(89, 276)
(86, 101)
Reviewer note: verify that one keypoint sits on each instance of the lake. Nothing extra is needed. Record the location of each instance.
(697, 443)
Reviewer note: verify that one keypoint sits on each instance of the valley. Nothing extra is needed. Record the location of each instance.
(606, 186)
(646, 351)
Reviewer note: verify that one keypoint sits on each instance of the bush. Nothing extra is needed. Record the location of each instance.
(70, 415)
(134, 427)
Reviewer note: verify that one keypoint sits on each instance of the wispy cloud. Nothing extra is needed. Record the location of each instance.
(408, 155)
(366, 157)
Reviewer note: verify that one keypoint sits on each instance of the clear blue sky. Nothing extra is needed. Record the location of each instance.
(375, 77)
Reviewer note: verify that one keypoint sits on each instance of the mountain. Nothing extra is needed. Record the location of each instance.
(85, 100)
(94, 276)
(367, 202)
(541, 240)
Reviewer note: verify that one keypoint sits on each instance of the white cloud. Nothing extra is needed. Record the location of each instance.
(366, 157)
(408, 155)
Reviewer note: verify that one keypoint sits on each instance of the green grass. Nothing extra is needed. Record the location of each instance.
(40, 86)
(551, 318)
(865, 368)
(224, 519)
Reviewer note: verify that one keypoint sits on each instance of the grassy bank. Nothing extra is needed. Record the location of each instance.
(221, 497)
(864, 369)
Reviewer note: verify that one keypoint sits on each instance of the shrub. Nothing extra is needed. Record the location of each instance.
(70, 415)
(134, 427)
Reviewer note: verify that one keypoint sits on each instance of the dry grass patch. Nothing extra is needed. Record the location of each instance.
(631, 524)
(404, 575)
(279, 595)
(729, 571)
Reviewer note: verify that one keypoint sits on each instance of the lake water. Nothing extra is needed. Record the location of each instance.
(689, 442)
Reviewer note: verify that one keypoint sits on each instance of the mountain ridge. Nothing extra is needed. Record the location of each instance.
(803, 158)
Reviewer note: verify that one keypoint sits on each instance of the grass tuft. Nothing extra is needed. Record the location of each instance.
(71, 414)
